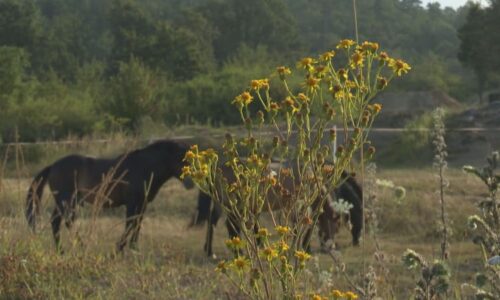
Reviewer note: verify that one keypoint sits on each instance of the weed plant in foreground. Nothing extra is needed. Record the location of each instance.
(292, 174)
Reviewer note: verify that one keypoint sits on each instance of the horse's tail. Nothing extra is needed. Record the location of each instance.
(204, 211)
(34, 197)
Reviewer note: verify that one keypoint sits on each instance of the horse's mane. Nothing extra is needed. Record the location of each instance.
(157, 144)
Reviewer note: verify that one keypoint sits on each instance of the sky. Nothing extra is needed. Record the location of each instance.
(444, 3)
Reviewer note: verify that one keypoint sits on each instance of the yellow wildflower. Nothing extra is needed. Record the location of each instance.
(350, 296)
(306, 63)
(369, 47)
(327, 55)
(269, 253)
(257, 84)
(243, 99)
(336, 294)
(235, 243)
(377, 107)
(312, 83)
(274, 107)
(303, 98)
(200, 174)
(282, 246)
(282, 230)
(340, 95)
(221, 267)
(381, 83)
(290, 104)
(328, 169)
(240, 263)
(345, 44)
(272, 180)
(302, 255)
(189, 156)
(383, 56)
(399, 66)
(320, 71)
(316, 297)
(342, 74)
(186, 171)
(263, 232)
(350, 84)
(283, 71)
(357, 60)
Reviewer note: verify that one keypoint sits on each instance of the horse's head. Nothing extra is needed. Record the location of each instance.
(174, 152)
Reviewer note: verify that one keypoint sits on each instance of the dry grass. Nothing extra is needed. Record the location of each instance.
(171, 264)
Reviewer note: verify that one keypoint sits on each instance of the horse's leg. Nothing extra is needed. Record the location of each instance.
(135, 231)
(325, 232)
(213, 218)
(70, 217)
(132, 224)
(356, 219)
(55, 222)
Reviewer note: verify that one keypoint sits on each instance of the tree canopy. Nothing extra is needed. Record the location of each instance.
(113, 59)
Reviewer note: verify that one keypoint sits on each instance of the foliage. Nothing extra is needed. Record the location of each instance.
(440, 155)
(479, 38)
(134, 94)
(486, 228)
(434, 280)
(267, 264)
(190, 43)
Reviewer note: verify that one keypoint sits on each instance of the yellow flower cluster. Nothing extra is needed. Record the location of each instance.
(282, 246)
(327, 55)
(263, 233)
(199, 162)
(399, 66)
(243, 99)
(240, 263)
(306, 63)
(345, 44)
(235, 243)
(302, 256)
(258, 84)
(369, 47)
(282, 230)
(283, 72)
(336, 294)
(269, 253)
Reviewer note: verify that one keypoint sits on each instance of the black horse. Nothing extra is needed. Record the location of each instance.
(132, 179)
(350, 190)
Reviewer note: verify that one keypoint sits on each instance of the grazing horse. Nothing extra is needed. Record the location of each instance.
(132, 179)
(328, 221)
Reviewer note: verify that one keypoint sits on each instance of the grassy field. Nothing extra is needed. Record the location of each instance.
(170, 263)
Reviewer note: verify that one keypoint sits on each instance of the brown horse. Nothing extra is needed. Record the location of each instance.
(132, 179)
(328, 220)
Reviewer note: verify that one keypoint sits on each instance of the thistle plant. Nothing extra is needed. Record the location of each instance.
(434, 280)
(288, 173)
(440, 164)
(486, 228)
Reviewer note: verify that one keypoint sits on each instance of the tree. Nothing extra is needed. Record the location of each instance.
(479, 39)
(253, 23)
(134, 94)
(20, 24)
